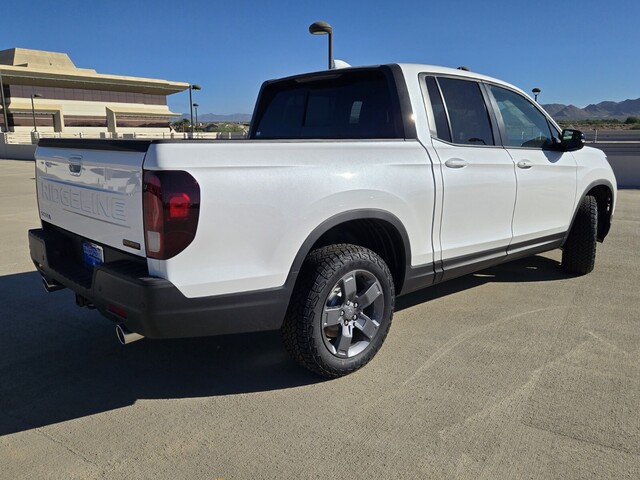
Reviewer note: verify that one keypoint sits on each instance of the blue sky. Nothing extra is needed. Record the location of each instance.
(577, 52)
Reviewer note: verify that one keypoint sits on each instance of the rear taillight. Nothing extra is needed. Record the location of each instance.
(171, 201)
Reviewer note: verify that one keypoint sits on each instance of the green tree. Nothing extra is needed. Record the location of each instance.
(181, 125)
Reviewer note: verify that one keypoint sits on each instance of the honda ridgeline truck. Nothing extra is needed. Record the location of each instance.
(354, 186)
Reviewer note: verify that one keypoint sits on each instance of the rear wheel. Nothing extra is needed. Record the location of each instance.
(341, 310)
(579, 251)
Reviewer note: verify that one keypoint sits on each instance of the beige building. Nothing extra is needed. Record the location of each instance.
(71, 100)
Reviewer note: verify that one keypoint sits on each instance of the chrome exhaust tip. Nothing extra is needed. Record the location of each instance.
(51, 286)
(125, 336)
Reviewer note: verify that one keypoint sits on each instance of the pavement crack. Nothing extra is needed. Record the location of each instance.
(608, 343)
(455, 342)
(582, 440)
(71, 450)
(463, 337)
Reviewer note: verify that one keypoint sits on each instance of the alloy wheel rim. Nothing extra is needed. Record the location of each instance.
(352, 314)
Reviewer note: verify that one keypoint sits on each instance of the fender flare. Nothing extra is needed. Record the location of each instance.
(350, 215)
(596, 183)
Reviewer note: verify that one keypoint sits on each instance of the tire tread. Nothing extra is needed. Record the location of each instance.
(579, 253)
(299, 323)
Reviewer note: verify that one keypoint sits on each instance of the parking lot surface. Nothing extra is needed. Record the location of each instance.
(519, 371)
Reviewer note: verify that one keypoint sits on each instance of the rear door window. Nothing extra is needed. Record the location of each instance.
(467, 112)
(437, 106)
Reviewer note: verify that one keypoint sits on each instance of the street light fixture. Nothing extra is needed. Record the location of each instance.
(192, 87)
(536, 91)
(195, 105)
(323, 28)
(33, 110)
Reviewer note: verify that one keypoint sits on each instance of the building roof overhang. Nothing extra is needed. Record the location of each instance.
(147, 112)
(142, 110)
(26, 107)
(89, 79)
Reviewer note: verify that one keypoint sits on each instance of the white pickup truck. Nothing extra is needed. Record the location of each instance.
(354, 186)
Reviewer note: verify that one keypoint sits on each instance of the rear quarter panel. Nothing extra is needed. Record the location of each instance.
(260, 200)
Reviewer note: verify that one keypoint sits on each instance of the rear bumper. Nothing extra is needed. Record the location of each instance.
(123, 291)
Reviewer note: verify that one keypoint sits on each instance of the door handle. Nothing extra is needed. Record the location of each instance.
(524, 164)
(456, 163)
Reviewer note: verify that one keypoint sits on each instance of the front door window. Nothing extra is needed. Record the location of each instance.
(525, 126)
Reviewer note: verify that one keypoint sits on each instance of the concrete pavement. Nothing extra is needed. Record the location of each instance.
(517, 372)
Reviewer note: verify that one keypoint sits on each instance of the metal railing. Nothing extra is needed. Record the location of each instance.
(31, 138)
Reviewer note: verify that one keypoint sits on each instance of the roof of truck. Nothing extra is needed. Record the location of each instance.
(412, 70)
(415, 68)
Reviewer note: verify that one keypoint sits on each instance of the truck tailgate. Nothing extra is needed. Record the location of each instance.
(93, 188)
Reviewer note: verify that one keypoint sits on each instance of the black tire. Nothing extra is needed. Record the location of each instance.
(579, 251)
(340, 311)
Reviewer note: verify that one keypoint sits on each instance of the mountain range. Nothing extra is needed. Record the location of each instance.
(559, 111)
(598, 111)
(215, 118)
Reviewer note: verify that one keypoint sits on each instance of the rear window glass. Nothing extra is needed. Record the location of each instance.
(442, 124)
(346, 106)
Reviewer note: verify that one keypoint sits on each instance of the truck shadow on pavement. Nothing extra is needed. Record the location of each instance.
(59, 362)
(529, 269)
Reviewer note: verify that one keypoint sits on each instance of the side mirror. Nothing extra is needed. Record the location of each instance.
(572, 140)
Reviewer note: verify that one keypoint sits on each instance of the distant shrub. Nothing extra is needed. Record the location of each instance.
(228, 128)
(594, 123)
(597, 121)
(631, 120)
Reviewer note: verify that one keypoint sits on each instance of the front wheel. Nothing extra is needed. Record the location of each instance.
(341, 310)
(579, 251)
